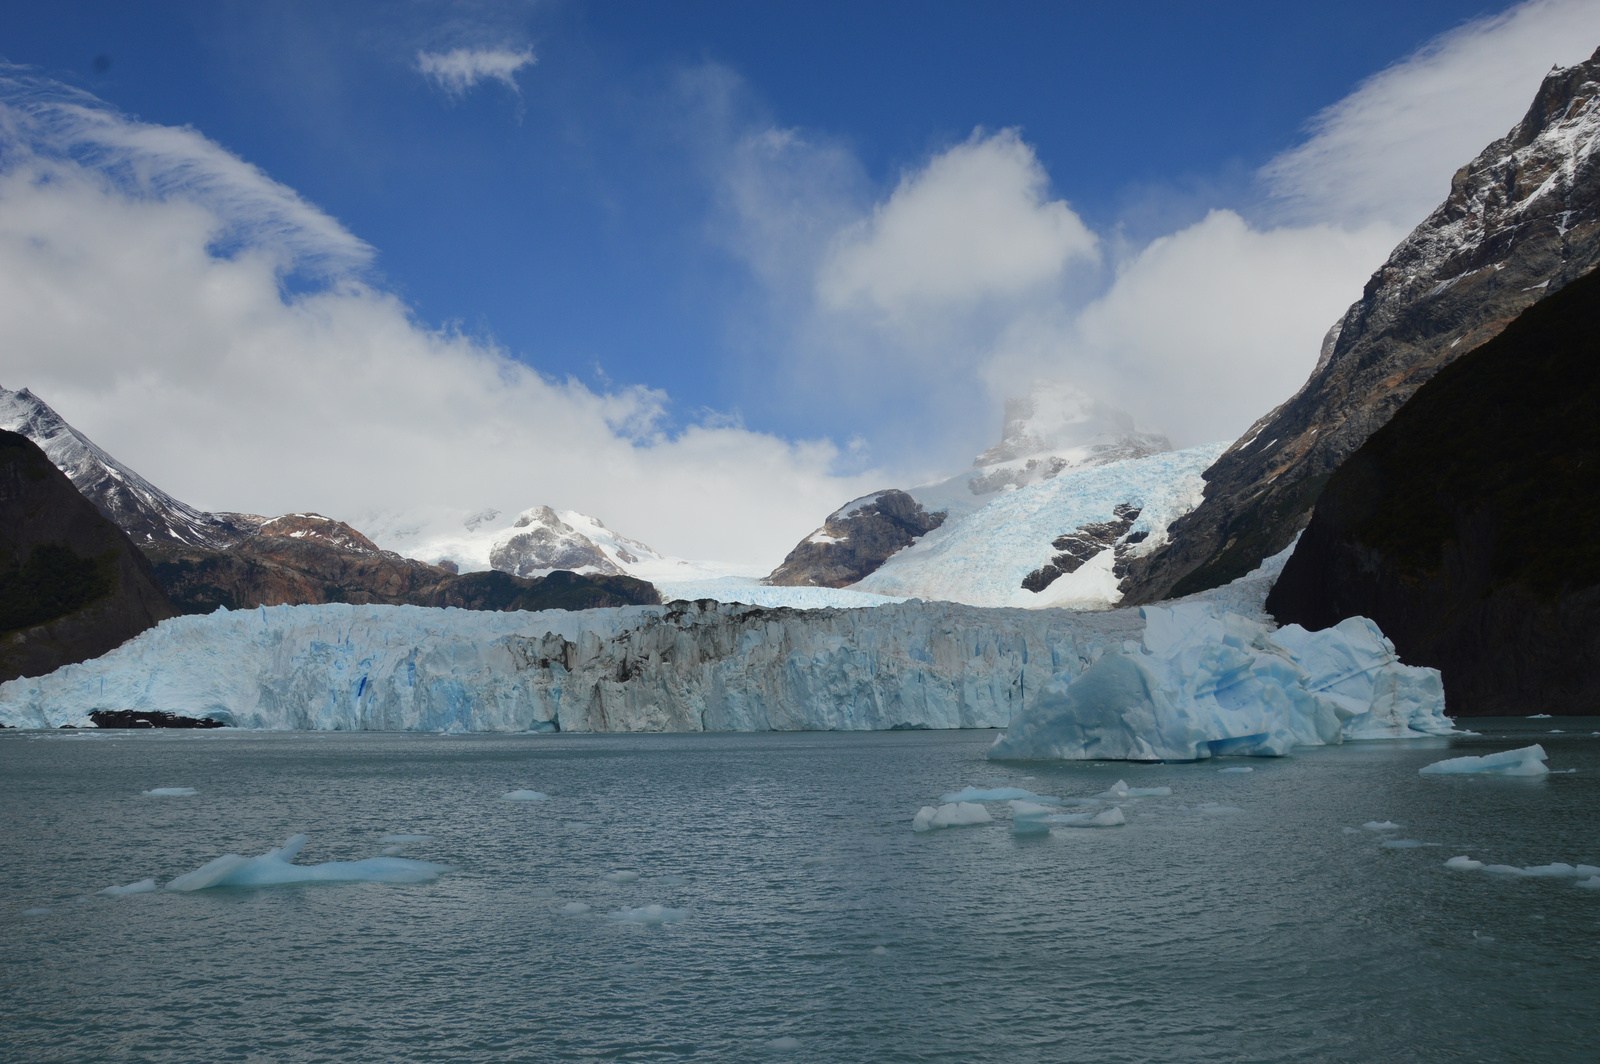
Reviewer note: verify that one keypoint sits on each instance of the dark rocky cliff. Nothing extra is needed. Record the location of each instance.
(72, 585)
(1468, 526)
(855, 540)
(1521, 221)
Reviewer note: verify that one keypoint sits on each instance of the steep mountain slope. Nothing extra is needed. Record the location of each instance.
(146, 513)
(854, 540)
(1468, 527)
(72, 586)
(1521, 221)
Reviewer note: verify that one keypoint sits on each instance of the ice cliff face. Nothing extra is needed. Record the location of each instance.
(148, 514)
(687, 667)
(1521, 221)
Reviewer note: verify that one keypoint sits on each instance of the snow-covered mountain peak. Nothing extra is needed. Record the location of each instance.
(316, 527)
(148, 514)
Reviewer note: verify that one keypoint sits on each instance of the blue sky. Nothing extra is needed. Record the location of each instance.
(692, 209)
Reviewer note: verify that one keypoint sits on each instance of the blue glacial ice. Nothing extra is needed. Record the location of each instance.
(1030, 818)
(996, 794)
(274, 868)
(1555, 870)
(1527, 761)
(950, 815)
(144, 886)
(1110, 818)
(1204, 682)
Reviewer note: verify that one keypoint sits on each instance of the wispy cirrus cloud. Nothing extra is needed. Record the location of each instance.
(459, 69)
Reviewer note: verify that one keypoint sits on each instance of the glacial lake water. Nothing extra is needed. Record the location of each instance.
(1237, 920)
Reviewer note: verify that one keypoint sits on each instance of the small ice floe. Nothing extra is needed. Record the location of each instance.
(1400, 844)
(575, 908)
(40, 911)
(650, 914)
(1558, 731)
(784, 1044)
(883, 951)
(1539, 716)
(1237, 768)
(1592, 883)
(273, 869)
(621, 877)
(1029, 818)
(524, 796)
(1527, 761)
(1350, 831)
(1217, 809)
(950, 815)
(997, 794)
(1463, 864)
(1381, 825)
(1120, 789)
(1110, 818)
(169, 792)
(144, 886)
(1555, 870)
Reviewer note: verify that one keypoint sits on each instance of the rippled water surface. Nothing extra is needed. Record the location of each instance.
(1236, 920)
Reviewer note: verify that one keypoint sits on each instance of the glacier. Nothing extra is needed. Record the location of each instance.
(1199, 678)
(1204, 682)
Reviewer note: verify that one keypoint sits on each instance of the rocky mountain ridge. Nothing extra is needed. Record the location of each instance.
(1521, 220)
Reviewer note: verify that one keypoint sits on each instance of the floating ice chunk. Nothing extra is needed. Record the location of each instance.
(1592, 883)
(883, 951)
(950, 815)
(144, 886)
(405, 840)
(1400, 844)
(785, 1044)
(1381, 825)
(1350, 830)
(1028, 818)
(621, 877)
(40, 911)
(997, 794)
(1110, 818)
(169, 792)
(671, 881)
(1215, 809)
(1527, 761)
(1558, 731)
(1236, 769)
(1463, 864)
(1538, 716)
(273, 869)
(575, 908)
(650, 914)
(524, 796)
(1120, 789)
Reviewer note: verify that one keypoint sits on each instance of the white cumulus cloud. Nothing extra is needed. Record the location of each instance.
(460, 69)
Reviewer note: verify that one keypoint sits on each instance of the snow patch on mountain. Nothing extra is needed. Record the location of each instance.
(982, 557)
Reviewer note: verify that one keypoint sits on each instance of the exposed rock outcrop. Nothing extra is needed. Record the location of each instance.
(1521, 221)
(1468, 526)
(856, 539)
(72, 585)
(540, 542)
(1078, 546)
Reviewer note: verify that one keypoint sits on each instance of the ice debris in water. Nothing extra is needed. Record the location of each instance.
(144, 886)
(1110, 818)
(1527, 761)
(1539, 716)
(169, 792)
(405, 840)
(1236, 769)
(40, 911)
(950, 815)
(1029, 818)
(1205, 682)
(997, 794)
(524, 796)
(1120, 789)
(650, 914)
(575, 908)
(678, 881)
(621, 877)
(273, 869)
(1557, 870)
(1592, 883)
(1381, 825)
(785, 1044)
(880, 951)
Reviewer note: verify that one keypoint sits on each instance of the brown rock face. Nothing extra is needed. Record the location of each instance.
(1468, 527)
(855, 540)
(1521, 221)
(72, 585)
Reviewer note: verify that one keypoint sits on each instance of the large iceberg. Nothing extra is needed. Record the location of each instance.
(275, 868)
(1205, 682)
(1527, 761)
